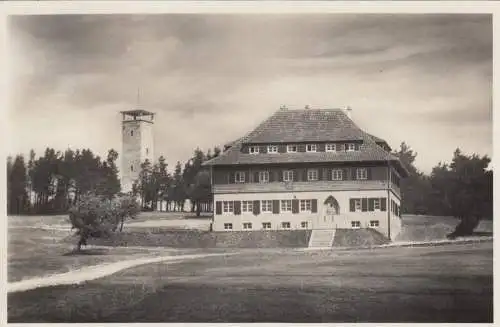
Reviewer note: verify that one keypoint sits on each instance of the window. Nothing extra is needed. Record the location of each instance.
(376, 204)
(303, 224)
(263, 176)
(374, 223)
(247, 206)
(247, 225)
(337, 174)
(357, 204)
(286, 205)
(288, 175)
(266, 225)
(312, 174)
(272, 149)
(228, 226)
(131, 167)
(267, 206)
(311, 148)
(253, 149)
(355, 224)
(291, 148)
(305, 205)
(285, 225)
(228, 207)
(361, 173)
(351, 147)
(330, 147)
(239, 177)
(131, 133)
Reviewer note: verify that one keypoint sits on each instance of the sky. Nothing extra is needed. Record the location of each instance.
(425, 79)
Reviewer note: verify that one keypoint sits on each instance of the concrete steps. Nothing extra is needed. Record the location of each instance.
(321, 238)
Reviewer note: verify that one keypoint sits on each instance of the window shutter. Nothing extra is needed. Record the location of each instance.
(304, 175)
(314, 205)
(295, 206)
(301, 148)
(276, 206)
(271, 176)
(256, 207)
(237, 207)
(231, 178)
(346, 146)
(353, 174)
(356, 147)
(295, 175)
(282, 148)
(369, 173)
(256, 177)
(346, 172)
(218, 208)
(321, 147)
(371, 204)
(364, 204)
(352, 205)
(383, 204)
(326, 174)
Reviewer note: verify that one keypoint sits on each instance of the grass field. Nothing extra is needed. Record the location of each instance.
(452, 283)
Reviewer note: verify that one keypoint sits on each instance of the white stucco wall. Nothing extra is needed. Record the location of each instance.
(134, 150)
(343, 220)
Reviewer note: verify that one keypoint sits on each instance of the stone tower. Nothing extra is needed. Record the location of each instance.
(137, 145)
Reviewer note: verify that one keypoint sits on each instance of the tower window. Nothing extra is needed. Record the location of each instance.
(131, 133)
(132, 168)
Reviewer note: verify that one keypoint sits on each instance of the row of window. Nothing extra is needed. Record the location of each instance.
(293, 148)
(297, 206)
(303, 224)
(265, 206)
(312, 175)
(267, 225)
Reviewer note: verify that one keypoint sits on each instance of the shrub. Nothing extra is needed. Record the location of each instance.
(98, 216)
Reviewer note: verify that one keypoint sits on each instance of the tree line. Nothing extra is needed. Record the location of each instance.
(55, 181)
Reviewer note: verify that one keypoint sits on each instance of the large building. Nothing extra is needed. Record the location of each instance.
(307, 169)
(137, 145)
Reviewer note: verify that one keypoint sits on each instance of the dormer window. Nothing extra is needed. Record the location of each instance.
(311, 148)
(330, 147)
(253, 149)
(272, 149)
(351, 147)
(291, 148)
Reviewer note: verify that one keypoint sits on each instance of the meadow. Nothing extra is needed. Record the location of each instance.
(448, 283)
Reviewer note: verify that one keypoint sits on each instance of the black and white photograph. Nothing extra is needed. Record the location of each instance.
(232, 167)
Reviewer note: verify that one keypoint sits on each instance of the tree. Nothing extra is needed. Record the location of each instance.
(17, 201)
(98, 216)
(465, 188)
(415, 187)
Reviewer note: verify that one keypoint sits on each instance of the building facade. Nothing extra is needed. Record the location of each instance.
(307, 169)
(137, 145)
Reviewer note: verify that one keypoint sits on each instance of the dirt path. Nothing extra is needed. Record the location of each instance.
(98, 271)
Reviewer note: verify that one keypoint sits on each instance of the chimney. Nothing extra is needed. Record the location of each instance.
(348, 111)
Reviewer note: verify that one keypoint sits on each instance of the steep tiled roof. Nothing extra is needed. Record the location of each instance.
(308, 125)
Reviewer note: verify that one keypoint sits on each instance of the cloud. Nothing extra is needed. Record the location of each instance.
(211, 78)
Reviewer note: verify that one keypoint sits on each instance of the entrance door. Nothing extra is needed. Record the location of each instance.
(330, 211)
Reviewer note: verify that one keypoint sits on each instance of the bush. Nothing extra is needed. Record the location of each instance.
(98, 216)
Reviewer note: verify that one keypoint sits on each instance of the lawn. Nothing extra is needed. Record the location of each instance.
(451, 283)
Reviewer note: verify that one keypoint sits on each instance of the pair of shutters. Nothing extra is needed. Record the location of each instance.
(368, 204)
(256, 207)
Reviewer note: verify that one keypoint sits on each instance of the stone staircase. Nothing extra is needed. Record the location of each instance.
(322, 238)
